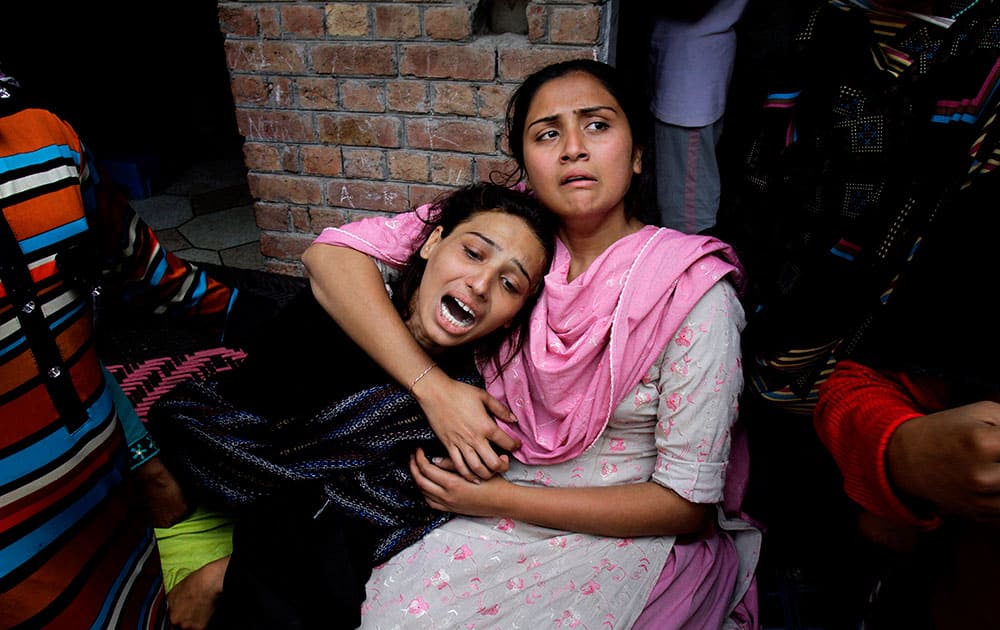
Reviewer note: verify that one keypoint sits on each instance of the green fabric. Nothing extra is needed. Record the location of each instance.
(203, 537)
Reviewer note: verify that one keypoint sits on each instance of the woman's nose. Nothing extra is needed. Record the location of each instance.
(479, 283)
(574, 147)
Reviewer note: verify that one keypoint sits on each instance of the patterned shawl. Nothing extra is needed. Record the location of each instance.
(350, 456)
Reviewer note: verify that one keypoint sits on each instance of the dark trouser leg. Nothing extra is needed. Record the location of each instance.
(292, 572)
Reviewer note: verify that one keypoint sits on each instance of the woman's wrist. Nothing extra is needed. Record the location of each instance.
(427, 381)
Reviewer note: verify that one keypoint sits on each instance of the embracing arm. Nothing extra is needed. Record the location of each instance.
(458, 413)
(697, 384)
(639, 509)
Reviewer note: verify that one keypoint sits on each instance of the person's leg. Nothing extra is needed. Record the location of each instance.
(687, 176)
(291, 571)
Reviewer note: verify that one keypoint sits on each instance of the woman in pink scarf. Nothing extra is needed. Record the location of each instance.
(619, 507)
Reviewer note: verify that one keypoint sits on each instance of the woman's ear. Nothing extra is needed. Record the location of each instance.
(431, 242)
(637, 160)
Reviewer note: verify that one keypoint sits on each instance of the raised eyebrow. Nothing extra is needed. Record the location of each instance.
(492, 243)
(582, 110)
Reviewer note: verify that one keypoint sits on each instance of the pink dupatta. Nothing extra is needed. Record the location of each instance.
(590, 340)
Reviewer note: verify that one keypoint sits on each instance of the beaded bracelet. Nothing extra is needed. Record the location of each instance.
(421, 375)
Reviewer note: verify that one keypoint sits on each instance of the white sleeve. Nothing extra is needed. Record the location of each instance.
(700, 382)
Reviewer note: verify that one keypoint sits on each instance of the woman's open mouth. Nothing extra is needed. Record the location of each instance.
(456, 312)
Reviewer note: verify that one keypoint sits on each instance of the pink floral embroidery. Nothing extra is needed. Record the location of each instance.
(439, 580)
(463, 553)
(590, 587)
(515, 584)
(642, 398)
(683, 337)
(608, 469)
(492, 610)
(674, 401)
(417, 607)
(505, 525)
(568, 620)
(681, 368)
(617, 444)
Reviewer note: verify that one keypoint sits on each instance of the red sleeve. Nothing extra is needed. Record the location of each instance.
(857, 411)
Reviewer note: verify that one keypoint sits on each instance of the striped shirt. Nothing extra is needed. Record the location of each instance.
(74, 552)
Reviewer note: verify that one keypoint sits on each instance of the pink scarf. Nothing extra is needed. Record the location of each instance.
(591, 340)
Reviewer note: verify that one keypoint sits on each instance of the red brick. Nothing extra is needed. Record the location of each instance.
(493, 100)
(272, 216)
(249, 90)
(408, 96)
(411, 167)
(280, 126)
(300, 220)
(495, 169)
(322, 218)
(269, 21)
(321, 159)
(290, 159)
(281, 92)
(366, 131)
(261, 156)
(382, 196)
(453, 170)
(577, 25)
(363, 96)
(538, 23)
(266, 57)
(287, 188)
(303, 20)
(450, 98)
(356, 59)
(471, 136)
(317, 93)
(347, 19)
(364, 164)
(237, 20)
(439, 61)
(397, 22)
(419, 195)
(284, 245)
(448, 23)
(516, 63)
(285, 268)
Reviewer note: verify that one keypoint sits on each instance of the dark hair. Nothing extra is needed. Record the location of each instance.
(637, 199)
(459, 206)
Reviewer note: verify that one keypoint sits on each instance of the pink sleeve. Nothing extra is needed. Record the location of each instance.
(390, 239)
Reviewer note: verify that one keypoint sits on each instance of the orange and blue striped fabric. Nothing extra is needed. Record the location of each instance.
(74, 552)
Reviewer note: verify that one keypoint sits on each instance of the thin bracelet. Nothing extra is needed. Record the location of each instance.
(421, 375)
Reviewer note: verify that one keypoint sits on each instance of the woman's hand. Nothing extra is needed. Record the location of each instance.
(191, 603)
(446, 491)
(462, 416)
(459, 414)
(951, 460)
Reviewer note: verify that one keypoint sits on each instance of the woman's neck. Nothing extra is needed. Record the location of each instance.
(587, 242)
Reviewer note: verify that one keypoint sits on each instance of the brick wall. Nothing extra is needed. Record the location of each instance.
(354, 108)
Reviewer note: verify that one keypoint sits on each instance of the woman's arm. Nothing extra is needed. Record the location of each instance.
(699, 382)
(640, 509)
(350, 288)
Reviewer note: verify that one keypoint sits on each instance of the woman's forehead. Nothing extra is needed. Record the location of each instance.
(577, 90)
